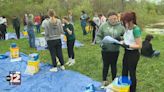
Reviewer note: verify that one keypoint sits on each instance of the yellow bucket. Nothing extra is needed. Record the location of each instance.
(121, 88)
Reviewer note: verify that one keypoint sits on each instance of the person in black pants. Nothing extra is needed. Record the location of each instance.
(110, 51)
(53, 29)
(3, 31)
(69, 32)
(3, 27)
(147, 48)
(16, 26)
(132, 43)
(55, 49)
(95, 27)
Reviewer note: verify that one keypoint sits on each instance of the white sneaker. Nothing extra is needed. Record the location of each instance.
(104, 84)
(93, 43)
(54, 69)
(69, 61)
(62, 67)
(72, 62)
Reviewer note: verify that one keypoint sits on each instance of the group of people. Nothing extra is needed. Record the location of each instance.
(124, 30)
(53, 29)
(93, 24)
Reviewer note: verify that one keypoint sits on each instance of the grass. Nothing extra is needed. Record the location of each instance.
(88, 61)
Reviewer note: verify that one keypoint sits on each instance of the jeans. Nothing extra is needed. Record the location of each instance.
(156, 53)
(31, 35)
(38, 28)
(83, 25)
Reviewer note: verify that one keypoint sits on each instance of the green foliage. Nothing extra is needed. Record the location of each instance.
(145, 11)
(88, 60)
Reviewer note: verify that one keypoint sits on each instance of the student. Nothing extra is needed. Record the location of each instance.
(132, 43)
(71, 18)
(37, 21)
(110, 52)
(147, 49)
(3, 27)
(95, 27)
(83, 18)
(102, 18)
(30, 30)
(25, 20)
(69, 32)
(53, 30)
(16, 26)
(96, 20)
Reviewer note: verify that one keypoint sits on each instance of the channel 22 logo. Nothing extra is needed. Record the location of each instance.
(14, 78)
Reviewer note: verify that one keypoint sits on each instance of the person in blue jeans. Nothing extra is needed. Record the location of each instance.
(83, 18)
(30, 30)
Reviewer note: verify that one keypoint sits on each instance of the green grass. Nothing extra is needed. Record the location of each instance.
(88, 61)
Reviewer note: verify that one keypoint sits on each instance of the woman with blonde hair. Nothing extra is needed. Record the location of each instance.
(53, 30)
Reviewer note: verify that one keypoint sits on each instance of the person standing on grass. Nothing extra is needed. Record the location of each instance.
(37, 21)
(53, 30)
(30, 30)
(110, 52)
(71, 18)
(96, 20)
(16, 26)
(102, 18)
(95, 27)
(147, 49)
(25, 20)
(69, 32)
(3, 27)
(132, 43)
(83, 18)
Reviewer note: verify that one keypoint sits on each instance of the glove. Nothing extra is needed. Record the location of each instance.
(124, 45)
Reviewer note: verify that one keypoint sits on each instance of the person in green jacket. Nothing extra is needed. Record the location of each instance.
(70, 35)
(110, 51)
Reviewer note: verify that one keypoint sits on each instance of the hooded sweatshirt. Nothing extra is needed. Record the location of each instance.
(53, 30)
(106, 29)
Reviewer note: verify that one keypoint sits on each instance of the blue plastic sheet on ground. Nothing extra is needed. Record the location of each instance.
(43, 81)
(42, 45)
(13, 36)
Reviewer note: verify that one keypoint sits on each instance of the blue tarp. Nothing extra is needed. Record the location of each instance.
(43, 81)
(13, 36)
(64, 45)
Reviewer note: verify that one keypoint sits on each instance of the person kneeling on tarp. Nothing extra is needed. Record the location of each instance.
(147, 49)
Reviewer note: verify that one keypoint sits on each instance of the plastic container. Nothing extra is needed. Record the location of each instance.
(25, 33)
(121, 84)
(14, 51)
